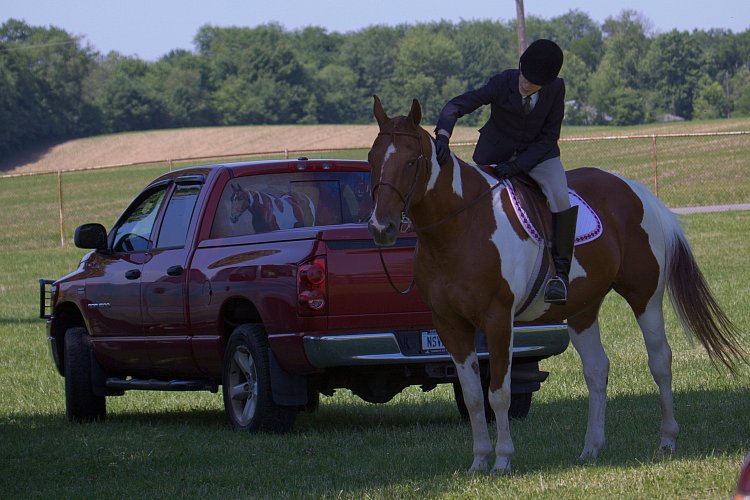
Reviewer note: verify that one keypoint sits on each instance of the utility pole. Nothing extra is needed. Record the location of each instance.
(520, 27)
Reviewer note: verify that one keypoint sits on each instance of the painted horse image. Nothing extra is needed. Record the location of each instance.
(270, 212)
(475, 265)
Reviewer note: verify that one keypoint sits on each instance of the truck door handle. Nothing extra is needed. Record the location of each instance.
(133, 274)
(174, 270)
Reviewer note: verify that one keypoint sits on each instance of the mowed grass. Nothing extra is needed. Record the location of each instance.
(159, 444)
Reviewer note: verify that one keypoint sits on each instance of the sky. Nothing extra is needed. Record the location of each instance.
(149, 29)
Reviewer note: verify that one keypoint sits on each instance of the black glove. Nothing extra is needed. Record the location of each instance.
(442, 150)
(507, 170)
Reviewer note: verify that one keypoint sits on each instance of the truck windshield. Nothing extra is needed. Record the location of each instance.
(262, 203)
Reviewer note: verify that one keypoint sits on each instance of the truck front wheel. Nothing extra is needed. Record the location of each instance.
(81, 404)
(246, 382)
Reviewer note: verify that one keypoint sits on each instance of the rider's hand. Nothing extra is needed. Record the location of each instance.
(442, 150)
(506, 170)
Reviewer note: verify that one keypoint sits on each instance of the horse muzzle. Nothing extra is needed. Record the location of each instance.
(383, 234)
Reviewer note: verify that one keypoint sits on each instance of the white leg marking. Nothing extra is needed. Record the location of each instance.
(500, 402)
(471, 385)
(595, 363)
(660, 364)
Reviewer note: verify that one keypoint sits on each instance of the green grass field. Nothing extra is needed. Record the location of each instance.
(157, 444)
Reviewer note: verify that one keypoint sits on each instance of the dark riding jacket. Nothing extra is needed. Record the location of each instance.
(531, 139)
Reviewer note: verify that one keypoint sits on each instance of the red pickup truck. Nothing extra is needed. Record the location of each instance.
(261, 278)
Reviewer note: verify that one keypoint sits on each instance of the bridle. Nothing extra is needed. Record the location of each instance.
(407, 201)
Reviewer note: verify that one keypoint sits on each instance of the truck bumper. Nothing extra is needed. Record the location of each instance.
(537, 342)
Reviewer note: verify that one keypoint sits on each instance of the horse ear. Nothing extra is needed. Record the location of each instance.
(379, 112)
(416, 112)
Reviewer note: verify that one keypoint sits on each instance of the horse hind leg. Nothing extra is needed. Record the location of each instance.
(651, 323)
(586, 338)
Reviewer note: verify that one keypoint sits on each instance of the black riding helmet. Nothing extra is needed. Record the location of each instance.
(540, 63)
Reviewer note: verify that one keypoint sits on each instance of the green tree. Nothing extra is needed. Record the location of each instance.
(371, 53)
(619, 73)
(424, 63)
(578, 35)
(126, 100)
(671, 71)
(182, 81)
(42, 75)
(256, 73)
(740, 92)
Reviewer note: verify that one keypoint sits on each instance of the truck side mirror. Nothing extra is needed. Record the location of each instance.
(92, 236)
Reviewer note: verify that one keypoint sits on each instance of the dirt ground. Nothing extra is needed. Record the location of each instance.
(165, 145)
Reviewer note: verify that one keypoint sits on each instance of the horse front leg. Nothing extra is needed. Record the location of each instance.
(500, 341)
(471, 386)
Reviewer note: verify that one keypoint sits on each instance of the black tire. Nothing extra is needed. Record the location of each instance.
(246, 384)
(520, 403)
(81, 404)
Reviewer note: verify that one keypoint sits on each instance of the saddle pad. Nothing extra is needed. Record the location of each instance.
(588, 225)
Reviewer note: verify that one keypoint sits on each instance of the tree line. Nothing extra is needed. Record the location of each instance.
(56, 86)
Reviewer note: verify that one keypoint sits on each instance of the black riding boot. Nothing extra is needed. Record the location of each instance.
(563, 240)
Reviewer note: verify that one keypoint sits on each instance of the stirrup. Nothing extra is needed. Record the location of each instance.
(556, 291)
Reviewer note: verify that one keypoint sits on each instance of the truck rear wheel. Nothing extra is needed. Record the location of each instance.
(246, 382)
(81, 404)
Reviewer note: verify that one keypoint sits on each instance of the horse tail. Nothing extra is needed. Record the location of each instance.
(700, 314)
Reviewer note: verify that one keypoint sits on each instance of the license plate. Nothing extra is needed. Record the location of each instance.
(431, 342)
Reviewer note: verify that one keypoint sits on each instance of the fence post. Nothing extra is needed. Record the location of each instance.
(656, 169)
(62, 212)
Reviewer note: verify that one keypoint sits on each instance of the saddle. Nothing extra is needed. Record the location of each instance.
(534, 215)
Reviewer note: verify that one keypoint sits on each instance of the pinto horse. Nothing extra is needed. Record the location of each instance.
(269, 212)
(474, 262)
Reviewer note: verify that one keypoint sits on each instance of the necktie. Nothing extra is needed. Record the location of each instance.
(527, 105)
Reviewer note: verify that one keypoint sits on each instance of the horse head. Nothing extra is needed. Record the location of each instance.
(400, 159)
(240, 201)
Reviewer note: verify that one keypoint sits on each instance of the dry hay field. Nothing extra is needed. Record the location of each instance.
(174, 144)
(161, 145)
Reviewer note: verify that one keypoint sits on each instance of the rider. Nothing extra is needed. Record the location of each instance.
(520, 137)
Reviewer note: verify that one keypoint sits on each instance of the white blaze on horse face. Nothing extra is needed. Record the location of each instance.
(377, 225)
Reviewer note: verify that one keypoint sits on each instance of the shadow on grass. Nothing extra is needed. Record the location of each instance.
(711, 422)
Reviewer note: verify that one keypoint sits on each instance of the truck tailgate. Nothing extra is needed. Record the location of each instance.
(360, 294)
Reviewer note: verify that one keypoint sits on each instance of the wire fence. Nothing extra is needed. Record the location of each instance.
(689, 172)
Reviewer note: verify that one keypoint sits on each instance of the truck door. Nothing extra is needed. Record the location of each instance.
(113, 285)
(164, 284)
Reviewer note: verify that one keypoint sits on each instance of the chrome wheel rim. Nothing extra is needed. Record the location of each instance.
(243, 386)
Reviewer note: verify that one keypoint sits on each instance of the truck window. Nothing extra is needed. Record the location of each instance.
(263, 203)
(134, 234)
(177, 216)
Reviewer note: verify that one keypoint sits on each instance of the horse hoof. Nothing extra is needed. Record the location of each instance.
(667, 446)
(588, 456)
(479, 465)
(502, 467)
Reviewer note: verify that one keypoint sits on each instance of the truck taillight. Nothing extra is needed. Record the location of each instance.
(312, 293)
